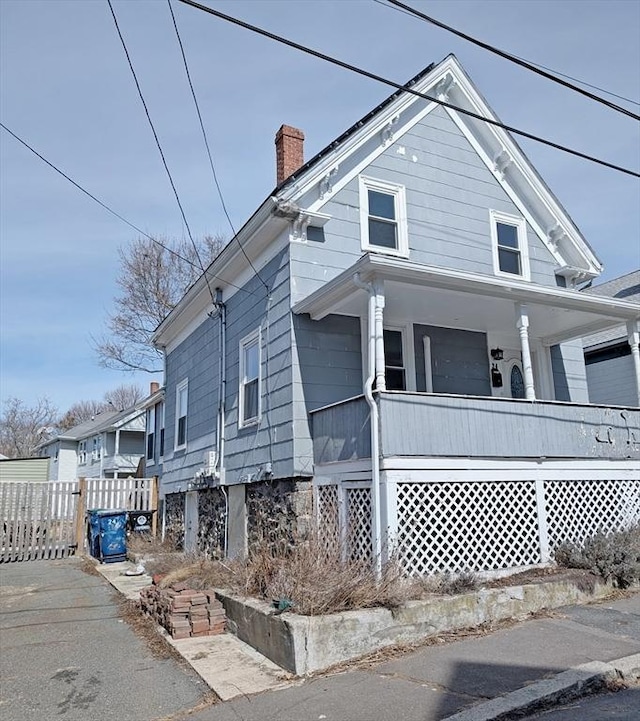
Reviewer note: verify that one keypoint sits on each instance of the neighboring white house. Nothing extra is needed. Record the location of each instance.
(107, 446)
(608, 355)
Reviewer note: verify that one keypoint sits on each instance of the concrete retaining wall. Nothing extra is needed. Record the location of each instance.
(305, 644)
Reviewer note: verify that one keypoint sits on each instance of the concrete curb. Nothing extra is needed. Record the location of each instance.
(564, 687)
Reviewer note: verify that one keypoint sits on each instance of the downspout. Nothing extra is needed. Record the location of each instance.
(373, 406)
(222, 394)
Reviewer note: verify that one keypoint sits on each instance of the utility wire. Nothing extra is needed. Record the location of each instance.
(206, 143)
(404, 88)
(397, 5)
(539, 65)
(113, 212)
(164, 162)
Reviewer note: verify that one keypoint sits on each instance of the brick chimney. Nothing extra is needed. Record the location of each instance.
(289, 152)
(154, 387)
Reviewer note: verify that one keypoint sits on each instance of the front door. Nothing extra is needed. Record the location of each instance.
(512, 375)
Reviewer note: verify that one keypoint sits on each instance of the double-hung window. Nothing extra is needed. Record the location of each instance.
(160, 408)
(509, 240)
(250, 391)
(151, 432)
(383, 221)
(182, 394)
(394, 370)
(82, 453)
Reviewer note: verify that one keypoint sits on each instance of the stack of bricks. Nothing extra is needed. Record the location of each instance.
(184, 612)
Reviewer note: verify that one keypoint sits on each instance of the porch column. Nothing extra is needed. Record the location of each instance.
(522, 323)
(381, 381)
(116, 449)
(633, 334)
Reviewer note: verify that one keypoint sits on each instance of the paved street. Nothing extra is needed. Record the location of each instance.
(64, 652)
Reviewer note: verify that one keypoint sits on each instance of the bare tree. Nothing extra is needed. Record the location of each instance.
(23, 427)
(124, 396)
(151, 281)
(118, 399)
(80, 412)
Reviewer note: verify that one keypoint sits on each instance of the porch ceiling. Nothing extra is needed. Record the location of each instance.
(450, 298)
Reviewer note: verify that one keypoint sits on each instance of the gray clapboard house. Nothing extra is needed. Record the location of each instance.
(401, 356)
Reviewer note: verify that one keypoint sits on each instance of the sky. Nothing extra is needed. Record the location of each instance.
(66, 89)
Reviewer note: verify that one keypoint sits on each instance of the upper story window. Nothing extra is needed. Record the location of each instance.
(96, 452)
(182, 392)
(509, 240)
(249, 391)
(151, 432)
(82, 453)
(383, 217)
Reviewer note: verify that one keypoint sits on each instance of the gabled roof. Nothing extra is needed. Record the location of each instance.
(307, 190)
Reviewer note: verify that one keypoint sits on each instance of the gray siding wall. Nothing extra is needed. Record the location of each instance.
(131, 443)
(612, 381)
(328, 368)
(449, 194)
(459, 360)
(247, 450)
(569, 376)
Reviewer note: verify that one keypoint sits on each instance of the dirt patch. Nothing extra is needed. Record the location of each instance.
(585, 580)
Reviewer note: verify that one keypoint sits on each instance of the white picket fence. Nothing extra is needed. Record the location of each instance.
(47, 519)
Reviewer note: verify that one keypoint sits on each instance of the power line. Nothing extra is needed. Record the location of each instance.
(113, 212)
(404, 88)
(164, 162)
(206, 143)
(397, 5)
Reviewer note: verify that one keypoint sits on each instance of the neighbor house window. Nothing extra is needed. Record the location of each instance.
(394, 370)
(509, 240)
(181, 414)
(82, 452)
(151, 428)
(96, 452)
(383, 222)
(249, 392)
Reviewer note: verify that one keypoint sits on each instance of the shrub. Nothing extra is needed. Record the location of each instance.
(614, 556)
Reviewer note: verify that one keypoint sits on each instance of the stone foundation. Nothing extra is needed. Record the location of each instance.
(211, 523)
(174, 519)
(278, 511)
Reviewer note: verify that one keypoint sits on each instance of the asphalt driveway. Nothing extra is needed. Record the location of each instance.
(65, 652)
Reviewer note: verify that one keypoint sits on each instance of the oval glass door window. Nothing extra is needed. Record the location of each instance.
(517, 383)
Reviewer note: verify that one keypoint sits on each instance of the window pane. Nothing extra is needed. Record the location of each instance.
(250, 409)
(182, 402)
(517, 383)
(507, 235)
(395, 379)
(161, 442)
(509, 261)
(393, 348)
(150, 446)
(382, 233)
(382, 205)
(251, 361)
(182, 430)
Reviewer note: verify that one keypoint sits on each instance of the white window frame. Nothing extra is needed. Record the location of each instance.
(249, 340)
(400, 201)
(161, 433)
(523, 247)
(182, 386)
(82, 453)
(151, 431)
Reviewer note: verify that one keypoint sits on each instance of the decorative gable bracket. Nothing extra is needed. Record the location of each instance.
(556, 236)
(501, 163)
(386, 134)
(326, 184)
(444, 87)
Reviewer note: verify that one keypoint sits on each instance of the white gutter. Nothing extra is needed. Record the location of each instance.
(375, 446)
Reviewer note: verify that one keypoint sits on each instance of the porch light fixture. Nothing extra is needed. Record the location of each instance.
(497, 354)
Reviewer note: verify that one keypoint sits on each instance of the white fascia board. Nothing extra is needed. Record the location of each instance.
(224, 272)
(371, 267)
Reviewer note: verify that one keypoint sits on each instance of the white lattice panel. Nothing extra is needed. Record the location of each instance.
(577, 509)
(328, 516)
(458, 526)
(359, 523)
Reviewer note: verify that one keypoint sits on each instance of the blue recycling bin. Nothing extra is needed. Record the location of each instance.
(107, 531)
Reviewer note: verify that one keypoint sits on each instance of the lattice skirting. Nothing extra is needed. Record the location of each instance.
(441, 526)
